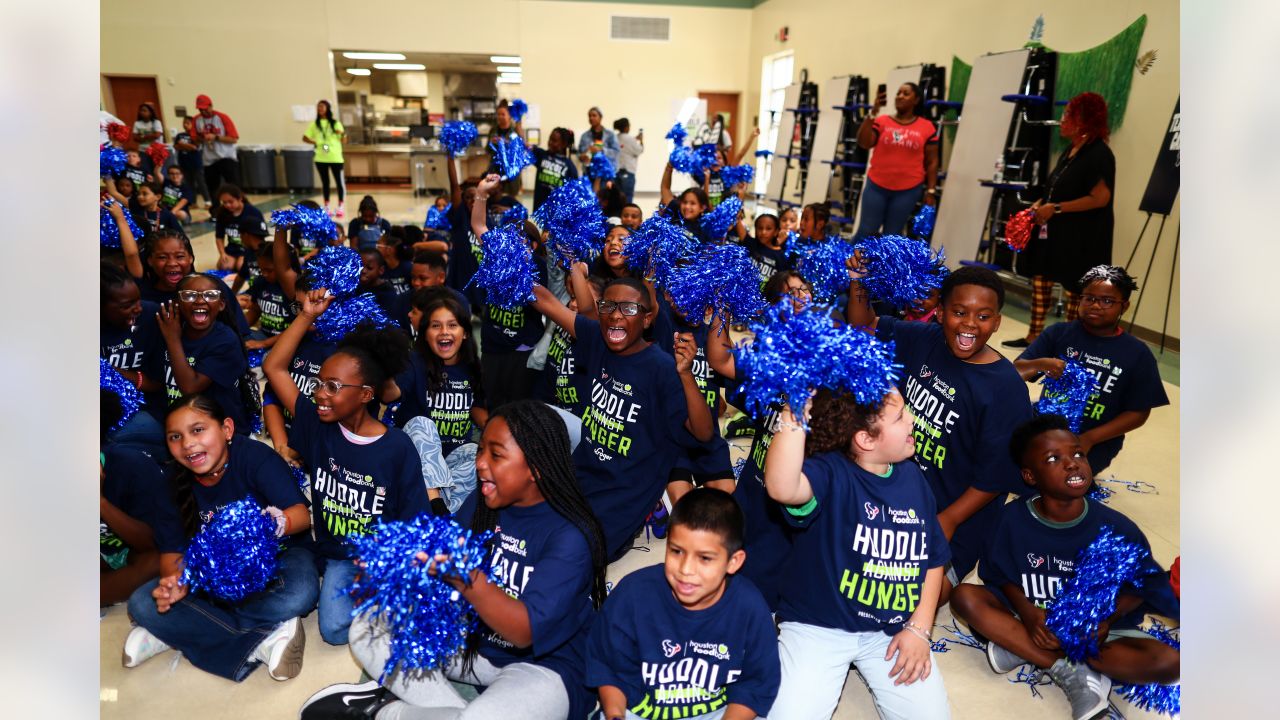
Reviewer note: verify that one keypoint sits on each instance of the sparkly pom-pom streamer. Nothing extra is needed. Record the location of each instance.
(1154, 697)
(314, 224)
(900, 270)
(517, 109)
(717, 223)
(1017, 230)
(922, 223)
(600, 168)
(159, 152)
(457, 135)
(677, 134)
(426, 619)
(300, 476)
(824, 264)
(234, 554)
(795, 352)
(507, 271)
(737, 175)
(1068, 395)
(344, 314)
(656, 246)
(1089, 596)
(109, 231)
(255, 357)
(335, 268)
(573, 220)
(118, 132)
(511, 156)
(721, 277)
(516, 214)
(130, 397)
(693, 161)
(439, 219)
(111, 161)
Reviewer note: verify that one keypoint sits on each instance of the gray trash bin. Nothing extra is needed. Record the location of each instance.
(299, 167)
(258, 167)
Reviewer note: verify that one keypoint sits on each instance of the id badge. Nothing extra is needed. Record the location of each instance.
(1044, 232)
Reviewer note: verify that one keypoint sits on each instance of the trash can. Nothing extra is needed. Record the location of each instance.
(299, 168)
(258, 167)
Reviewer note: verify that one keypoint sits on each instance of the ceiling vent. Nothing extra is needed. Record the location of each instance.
(654, 29)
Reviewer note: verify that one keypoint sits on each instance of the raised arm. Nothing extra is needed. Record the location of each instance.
(742, 152)
(545, 302)
(784, 478)
(187, 378)
(720, 349)
(480, 208)
(665, 189)
(700, 423)
(276, 364)
(285, 273)
(128, 244)
(455, 187)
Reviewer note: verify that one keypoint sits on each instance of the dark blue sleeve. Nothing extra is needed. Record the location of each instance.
(223, 361)
(612, 650)
(1146, 389)
(589, 347)
(1045, 345)
(136, 484)
(673, 407)
(997, 566)
(237, 312)
(305, 428)
(269, 475)
(409, 483)
(757, 687)
(939, 548)
(557, 589)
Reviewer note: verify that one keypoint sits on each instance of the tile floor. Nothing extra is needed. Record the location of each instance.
(168, 686)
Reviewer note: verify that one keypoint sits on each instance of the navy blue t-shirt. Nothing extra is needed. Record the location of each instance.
(503, 331)
(670, 661)
(632, 432)
(217, 355)
(355, 486)
(274, 308)
(135, 483)
(448, 407)
(188, 158)
(563, 380)
(227, 227)
(399, 278)
(126, 348)
(553, 171)
(150, 293)
(464, 249)
(711, 458)
(767, 260)
(866, 543)
(151, 221)
(173, 194)
(1128, 379)
(135, 173)
(304, 368)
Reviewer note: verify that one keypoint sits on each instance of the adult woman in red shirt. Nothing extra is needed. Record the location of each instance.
(905, 162)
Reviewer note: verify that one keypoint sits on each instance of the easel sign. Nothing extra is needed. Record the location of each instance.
(1162, 190)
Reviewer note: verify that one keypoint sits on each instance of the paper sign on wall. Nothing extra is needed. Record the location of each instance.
(304, 113)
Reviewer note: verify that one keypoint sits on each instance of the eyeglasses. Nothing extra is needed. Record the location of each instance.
(629, 309)
(1105, 302)
(190, 296)
(333, 387)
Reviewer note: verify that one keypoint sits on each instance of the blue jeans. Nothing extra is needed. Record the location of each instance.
(219, 637)
(884, 208)
(626, 181)
(334, 615)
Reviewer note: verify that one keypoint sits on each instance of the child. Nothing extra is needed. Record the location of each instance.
(128, 328)
(1129, 383)
(789, 220)
(397, 272)
(644, 407)
(693, 203)
(765, 246)
(429, 270)
(926, 309)
(271, 304)
(149, 214)
(611, 263)
(813, 221)
(362, 472)
(554, 166)
(438, 230)
(967, 398)
(1030, 558)
(464, 247)
(218, 467)
(564, 383)
(368, 226)
(197, 329)
(866, 568)
(632, 216)
(177, 197)
(133, 168)
(712, 185)
(191, 159)
(232, 207)
(372, 269)
(527, 655)
(687, 638)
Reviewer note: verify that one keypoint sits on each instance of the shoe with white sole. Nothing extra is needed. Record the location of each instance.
(347, 701)
(1002, 661)
(281, 651)
(1086, 689)
(140, 647)
(342, 210)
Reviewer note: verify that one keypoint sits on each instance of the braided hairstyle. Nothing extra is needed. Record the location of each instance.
(1114, 274)
(181, 480)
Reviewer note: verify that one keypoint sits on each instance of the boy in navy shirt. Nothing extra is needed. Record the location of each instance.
(1032, 555)
(1129, 383)
(177, 197)
(554, 166)
(684, 639)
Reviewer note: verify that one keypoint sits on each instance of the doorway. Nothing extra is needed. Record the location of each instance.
(127, 92)
(724, 105)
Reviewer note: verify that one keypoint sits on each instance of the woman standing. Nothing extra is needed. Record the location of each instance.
(328, 135)
(905, 162)
(1076, 217)
(597, 138)
(147, 129)
(630, 149)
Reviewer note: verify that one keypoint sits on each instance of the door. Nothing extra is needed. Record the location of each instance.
(724, 105)
(128, 92)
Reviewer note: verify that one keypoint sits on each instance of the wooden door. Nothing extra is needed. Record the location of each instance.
(725, 105)
(127, 92)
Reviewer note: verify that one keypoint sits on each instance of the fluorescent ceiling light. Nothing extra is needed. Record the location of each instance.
(513, 59)
(508, 80)
(399, 66)
(372, 56)
(510, 76)
(509, 69)
(359, 71)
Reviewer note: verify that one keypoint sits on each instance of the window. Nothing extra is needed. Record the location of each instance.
(775, 76)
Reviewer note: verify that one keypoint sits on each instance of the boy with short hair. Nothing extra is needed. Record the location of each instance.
(685, 639)
(177, 197)
(1032, 555)
(133, 168)
(632, 216)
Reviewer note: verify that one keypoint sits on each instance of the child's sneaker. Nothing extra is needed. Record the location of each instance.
(657, 521)
(140, 647)
(740, 426)
(281, 651)
(1086, 689)
(342, 210)
(346, 700)
(327, 210)
(1002, 661)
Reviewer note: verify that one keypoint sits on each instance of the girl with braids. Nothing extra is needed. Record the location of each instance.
(128, 323)
(362, 472)
(216, 467)
(548, 553)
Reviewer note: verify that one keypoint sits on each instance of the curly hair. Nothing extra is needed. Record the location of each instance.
(836, 418)
(1089, 110)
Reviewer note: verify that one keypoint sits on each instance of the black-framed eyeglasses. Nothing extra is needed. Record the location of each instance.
(627, 308)
(333, 387)
(190, 296)
(1105, 302)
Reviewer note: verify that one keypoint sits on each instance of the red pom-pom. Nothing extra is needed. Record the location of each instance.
(1017, 229)
(159, 152)
(118, 132)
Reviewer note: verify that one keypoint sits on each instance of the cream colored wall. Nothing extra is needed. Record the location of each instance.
(840, 37)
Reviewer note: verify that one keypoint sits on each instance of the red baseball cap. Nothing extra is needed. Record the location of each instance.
(203, 101)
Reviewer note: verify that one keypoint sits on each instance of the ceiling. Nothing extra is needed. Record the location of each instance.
(435, 62)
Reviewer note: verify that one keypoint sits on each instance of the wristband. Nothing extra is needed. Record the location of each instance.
(784, 425)
(918, 631)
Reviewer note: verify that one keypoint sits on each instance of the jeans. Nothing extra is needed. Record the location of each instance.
(815, 662)
(884, 208)
(225, 170)
(220, 638)
(453, 476)
(626, 183)
(336, 604)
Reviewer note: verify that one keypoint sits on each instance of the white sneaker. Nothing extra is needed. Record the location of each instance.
(327, 210)
(141, 646)
(342, 210)
(281, 651)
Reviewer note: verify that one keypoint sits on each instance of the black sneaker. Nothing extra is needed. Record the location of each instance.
(657, 521)
(1019, 343)
(346, 701)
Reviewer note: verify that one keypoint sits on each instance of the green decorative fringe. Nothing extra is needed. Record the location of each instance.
(960, 72)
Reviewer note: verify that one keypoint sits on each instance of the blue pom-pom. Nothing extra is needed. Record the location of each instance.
(437, 218)
(900, 270)
(1154, 697)
(300, 475)
(1068, 395)
(344, 314)
(656, 246)
(111, 161)
(764, 153)
(600, 167)
(335, 268)
(314, 224)
(517, 109)
(717, 223)
(507, 271)
(677, 134)
(426, 619)
(511, 156)
(130, 397)
(1089, 595)
(109, 231)
(721, 277)
(255, 357)
(516, 214)
(234, 554)
(693, 161)
(922, 223)
(824, 264)
(737, 175)
(573, 220)
(457, 135)
(795, 352)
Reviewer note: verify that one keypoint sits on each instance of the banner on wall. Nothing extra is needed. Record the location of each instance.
(1162, 188)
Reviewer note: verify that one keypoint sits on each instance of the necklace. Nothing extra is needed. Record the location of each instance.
(212, 477)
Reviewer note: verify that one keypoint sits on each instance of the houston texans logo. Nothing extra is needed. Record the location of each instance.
(1035, 561)
(925, 371)
(299, 362)
(670, 649)
(872, 510)
(1073, 353)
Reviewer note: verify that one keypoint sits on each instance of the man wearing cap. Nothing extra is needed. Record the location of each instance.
(218, 134)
